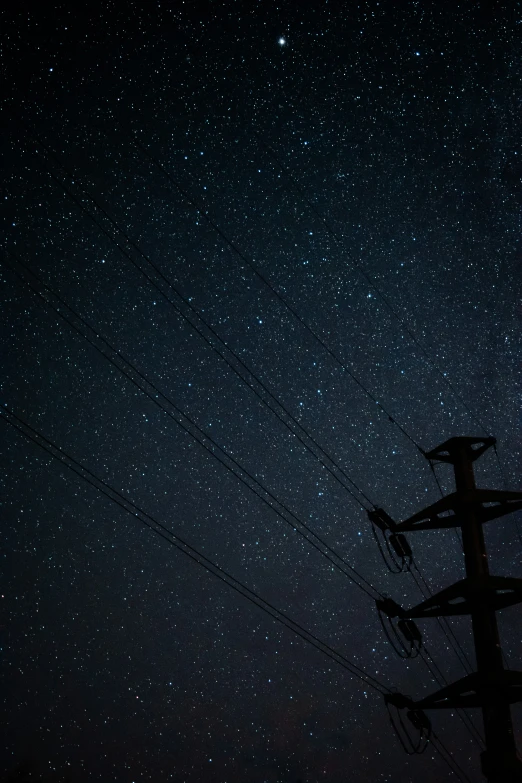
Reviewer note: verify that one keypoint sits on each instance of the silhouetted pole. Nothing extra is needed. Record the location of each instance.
(499, 761)
(491, 687)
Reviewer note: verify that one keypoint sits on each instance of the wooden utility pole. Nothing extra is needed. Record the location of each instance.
(491, 687)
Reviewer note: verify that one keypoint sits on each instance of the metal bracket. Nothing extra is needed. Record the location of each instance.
(463, 597)
(381, 519)
(446, 512)
(476, 690)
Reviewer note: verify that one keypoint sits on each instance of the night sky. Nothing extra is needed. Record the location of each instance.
(326, 197)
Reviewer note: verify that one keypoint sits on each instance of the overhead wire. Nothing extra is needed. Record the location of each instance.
(245, 259)
(449, 759)
(160, 529)
(154, 398)
(296, 428)
(127, 368)
(344, 368)
(333, 233)
(191, 307)
(427, 358)
(179, 294)
(297, 187)
(250, 264)
(214, 332)
(157, 399)
(443, 622)
(216, 335)
(391, 419)
(167, 534)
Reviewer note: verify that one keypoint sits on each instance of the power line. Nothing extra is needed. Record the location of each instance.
(134, 244)
(232, 245)
(151, 263)
(157, 402)
(207, 436)
(239, 360)
(190, 551)
(193, 309)
(452, 644)
(464, 658)
(427, 358)
(298, 629)
(440, 680)
(183, 546)
(202, 437)
(301, 434)
(443, 622)
(448, 759)
(155, 399)
(211, 329)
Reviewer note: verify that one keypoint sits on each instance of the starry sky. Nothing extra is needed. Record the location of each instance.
(299, 225)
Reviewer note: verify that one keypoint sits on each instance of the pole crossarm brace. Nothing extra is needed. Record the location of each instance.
(448, 511)
(463, 597)
(474, 690)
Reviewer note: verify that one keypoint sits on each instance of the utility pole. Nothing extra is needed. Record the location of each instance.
(491, 687)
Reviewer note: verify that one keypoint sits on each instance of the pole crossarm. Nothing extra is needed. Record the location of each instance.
(491, 687)
(463, 597)
(447, 512)
(474, 690)
(474, 448)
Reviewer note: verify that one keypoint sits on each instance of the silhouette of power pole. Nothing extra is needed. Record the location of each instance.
(491, 687)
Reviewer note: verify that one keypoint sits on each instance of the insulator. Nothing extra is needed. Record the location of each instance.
(389, 607)
(420, 720)
(380, 518)
(400, 543)
(398, 700)
(410, 631)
